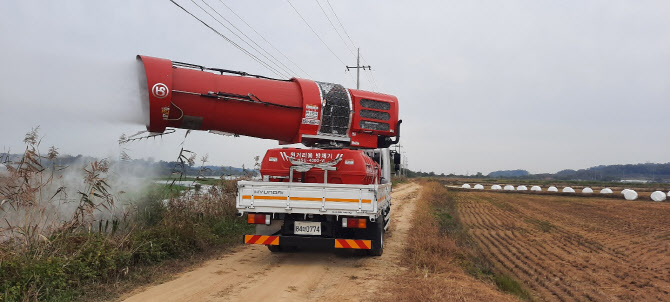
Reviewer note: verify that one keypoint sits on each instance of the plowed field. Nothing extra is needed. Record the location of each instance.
(574, 249)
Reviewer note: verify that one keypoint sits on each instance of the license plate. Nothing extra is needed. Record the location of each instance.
(307, 228)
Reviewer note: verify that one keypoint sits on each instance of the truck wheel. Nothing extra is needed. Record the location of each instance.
(378, 238)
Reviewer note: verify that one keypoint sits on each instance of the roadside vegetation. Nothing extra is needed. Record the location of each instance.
(60, 243)
(444, 249)
(396, 180)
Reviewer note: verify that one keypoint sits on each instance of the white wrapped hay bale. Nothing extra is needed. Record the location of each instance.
(536, 188)
(552, 189)
(587, 190)
(668, 193)
(496, 187)
(521, 188)
(658, 196)
(479, 187)
(465, 186)
(606, 191)
(509, 188)
(630, 194)
(568, 190)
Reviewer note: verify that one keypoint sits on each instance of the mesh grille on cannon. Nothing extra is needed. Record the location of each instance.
(372, 104)
(336, 111)
(373, 125)
(378, 115)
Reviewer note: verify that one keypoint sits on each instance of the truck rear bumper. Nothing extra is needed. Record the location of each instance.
(303, 241)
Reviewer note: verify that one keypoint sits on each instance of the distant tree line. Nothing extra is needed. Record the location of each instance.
(147, 167)
(648, 171)
(411, 173)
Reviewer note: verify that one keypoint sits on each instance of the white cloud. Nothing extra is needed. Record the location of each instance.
(566, 80)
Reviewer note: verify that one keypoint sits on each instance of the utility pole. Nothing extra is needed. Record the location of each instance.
(402, 162)
(358, 68)
(405, 164)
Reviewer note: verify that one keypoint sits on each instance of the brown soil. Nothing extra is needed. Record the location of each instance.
(575, 249)
(433, 261)
(252, 273)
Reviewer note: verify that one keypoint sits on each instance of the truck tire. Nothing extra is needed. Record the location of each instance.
(378, 238)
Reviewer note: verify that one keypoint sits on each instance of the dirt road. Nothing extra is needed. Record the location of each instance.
(252, 273)
(575, 249)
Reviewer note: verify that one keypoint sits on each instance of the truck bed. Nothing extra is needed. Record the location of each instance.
(312, 198)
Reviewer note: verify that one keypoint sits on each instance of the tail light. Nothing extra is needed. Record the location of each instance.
(258, 219)
(356, 223)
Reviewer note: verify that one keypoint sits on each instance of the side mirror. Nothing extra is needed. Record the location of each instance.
(396, 158)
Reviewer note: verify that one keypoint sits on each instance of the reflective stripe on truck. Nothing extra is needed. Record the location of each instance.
(258, 239)
(309, 241)
(306, 198)
(353, 244)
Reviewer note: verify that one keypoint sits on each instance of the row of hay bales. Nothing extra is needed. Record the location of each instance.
(628, 194)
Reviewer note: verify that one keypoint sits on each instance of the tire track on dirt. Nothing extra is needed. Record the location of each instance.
(252, 273)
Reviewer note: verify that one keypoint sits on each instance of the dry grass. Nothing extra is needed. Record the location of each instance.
(49, 253)
(573, 248)
(431, 252)
(433, 257)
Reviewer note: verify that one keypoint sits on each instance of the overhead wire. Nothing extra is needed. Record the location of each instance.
(333, 26)
(319, 37)
(238, 36)
(316, 34)
(263, 63)
(264, 39)
(338, 21)
(370, 74)
(373, 82)
(276, 62)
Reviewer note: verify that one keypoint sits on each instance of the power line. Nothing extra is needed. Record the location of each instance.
(226, 27)
(229, 40)
(262, 37)
(284, 68)
(371, 77)
(338, 21)
(371, 74)
(317, 35)
(333, 26)
(350, 50)
(372, 81)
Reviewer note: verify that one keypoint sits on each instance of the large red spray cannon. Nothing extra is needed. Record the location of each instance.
(316, 114)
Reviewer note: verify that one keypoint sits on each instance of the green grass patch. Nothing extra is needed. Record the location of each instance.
(509, 285)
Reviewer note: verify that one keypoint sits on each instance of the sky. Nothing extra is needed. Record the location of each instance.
(482, 85)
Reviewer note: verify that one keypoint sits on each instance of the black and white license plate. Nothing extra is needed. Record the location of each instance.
(307, 228)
